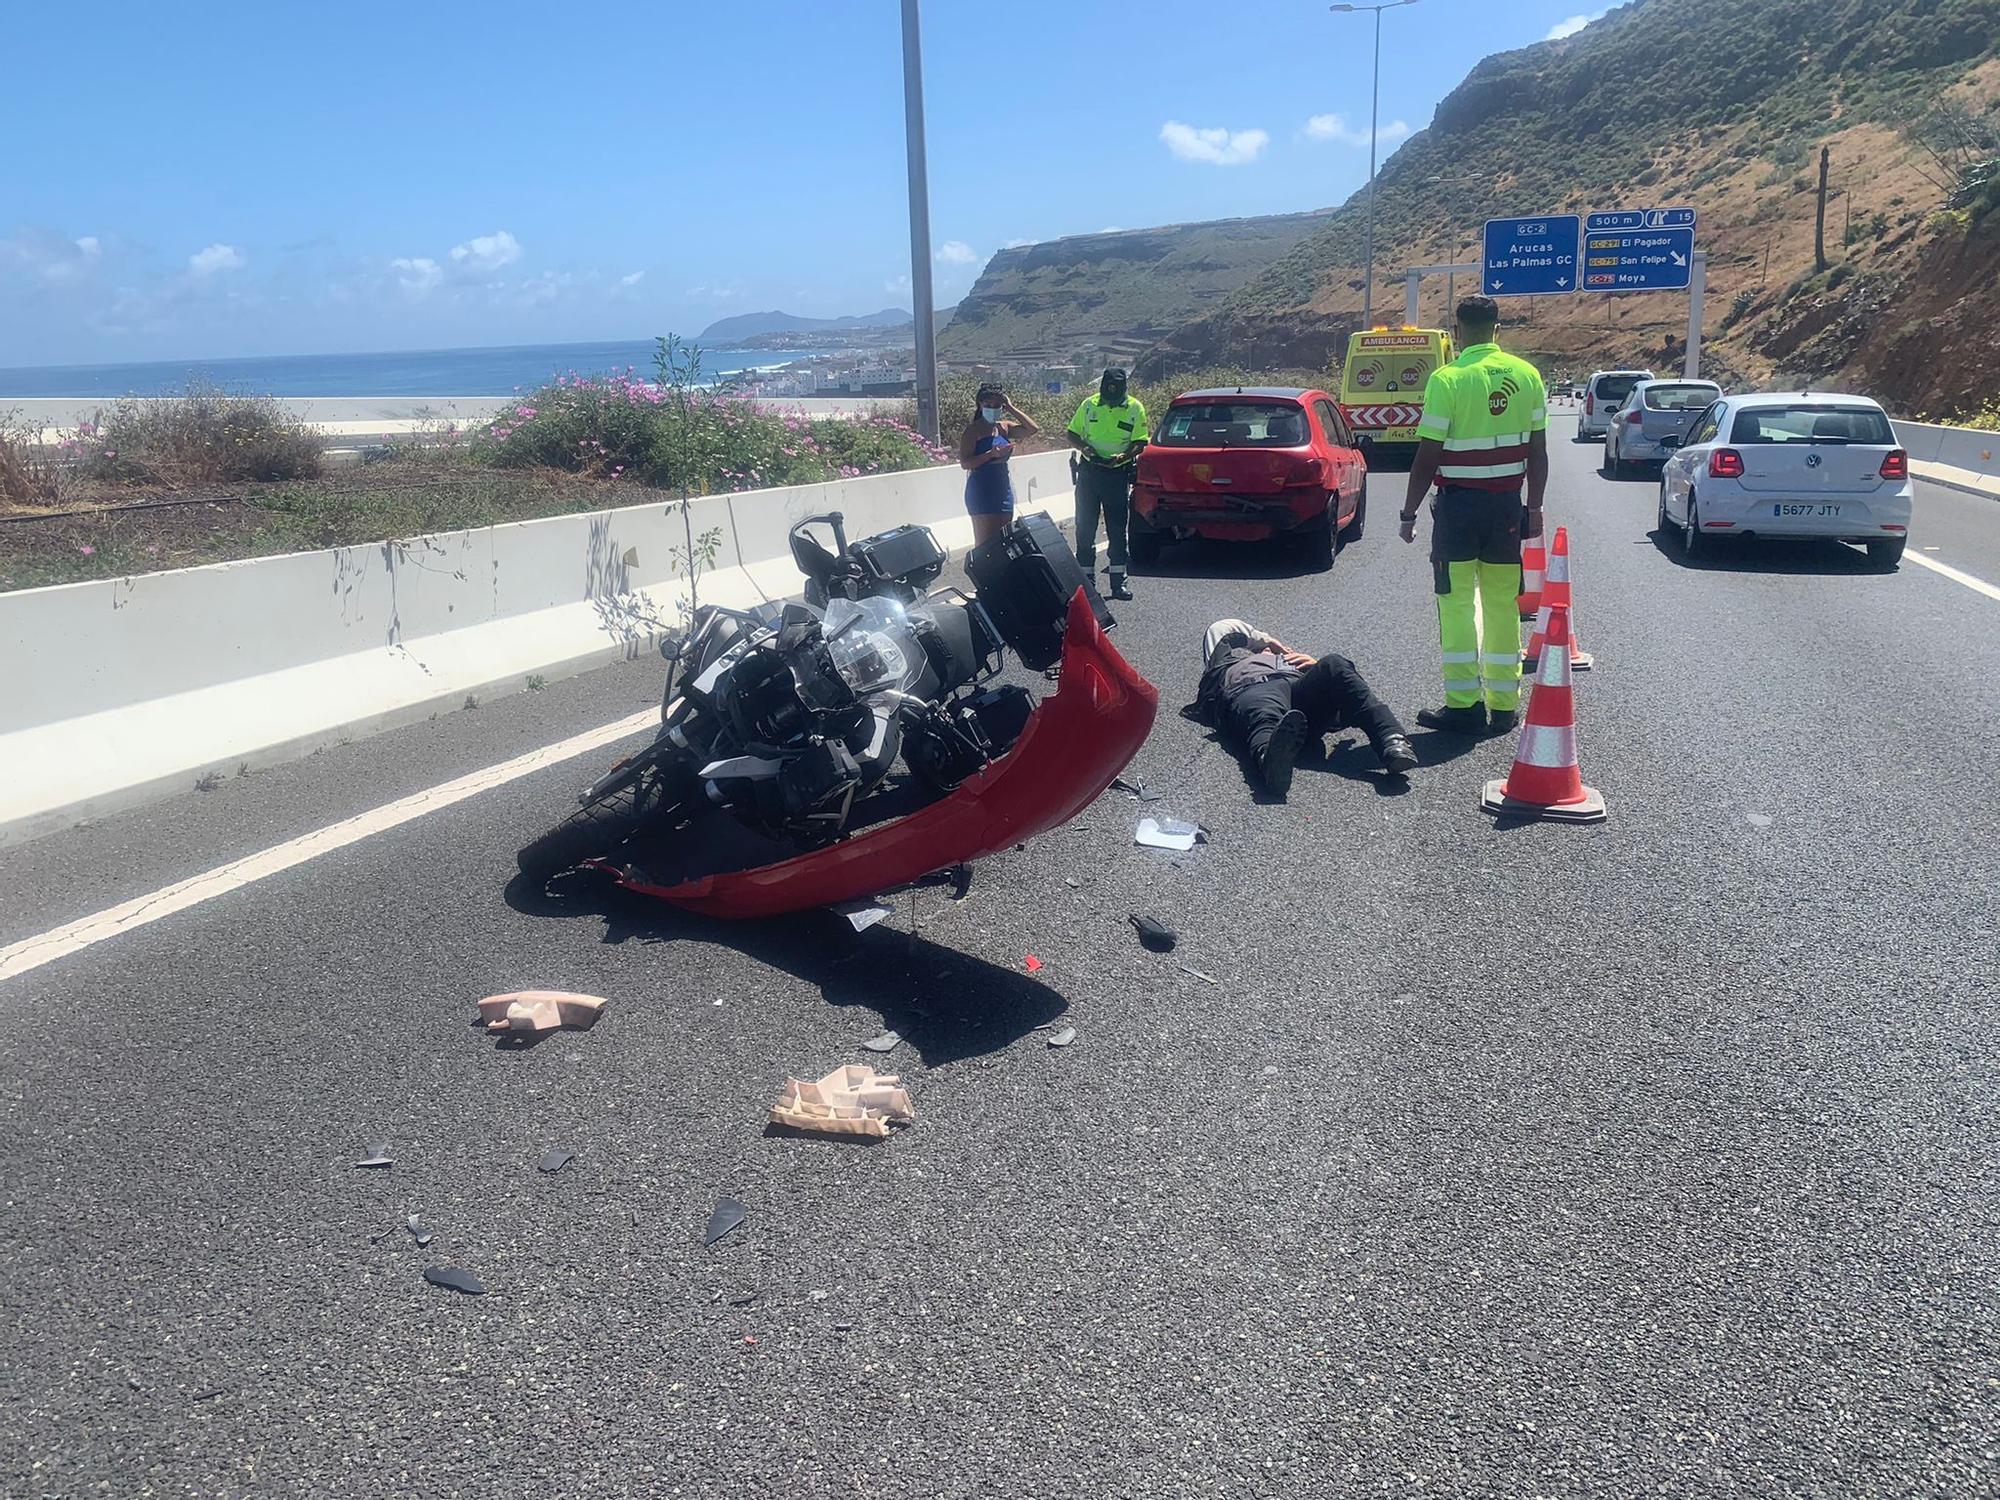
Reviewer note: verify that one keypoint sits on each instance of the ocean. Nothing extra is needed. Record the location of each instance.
(417, 372)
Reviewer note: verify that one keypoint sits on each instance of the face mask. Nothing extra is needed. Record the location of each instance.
(990, 413)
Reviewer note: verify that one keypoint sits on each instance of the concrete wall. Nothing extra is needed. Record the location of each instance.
(1966, 458)
(125, 689)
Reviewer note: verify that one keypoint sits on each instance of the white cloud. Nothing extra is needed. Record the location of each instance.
(957, 253)
(1016, 244)
(632, 278)
(715, 291)
(897, 284)
(487, 252)
(1216, 146)
(89, 246)
(1112, 229)
(217, 257)
(1570, 27)
(51, 256)
(1336, 128)
(417, 274)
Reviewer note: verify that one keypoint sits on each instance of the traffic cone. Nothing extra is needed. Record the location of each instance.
(1546, 782)
(1555, 590)
(1534, 569)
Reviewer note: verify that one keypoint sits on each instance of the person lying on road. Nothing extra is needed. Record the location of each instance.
(1272, 699)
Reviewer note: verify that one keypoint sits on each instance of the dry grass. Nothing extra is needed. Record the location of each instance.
(205, 436)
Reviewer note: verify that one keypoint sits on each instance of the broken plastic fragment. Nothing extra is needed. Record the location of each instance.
(848, 1101)
(418, 1232)
(1062, 1038)
(1165, 833)
(455, 1279)
(1072, 882)
(1204, 978)
(888, 1041)
(961, 881)
(1155, 935)
(1032, 964)
(862, 915)
(377, 1155)
(729, 1215)
(540, 1010)
(1759, 820)
(556, 1160)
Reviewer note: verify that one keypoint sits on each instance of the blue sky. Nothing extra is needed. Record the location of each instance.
(237, 179)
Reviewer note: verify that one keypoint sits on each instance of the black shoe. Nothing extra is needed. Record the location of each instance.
(1283, 753)
(1500, 721)
(1454, 720)
(1119, 588)
(1399, 756)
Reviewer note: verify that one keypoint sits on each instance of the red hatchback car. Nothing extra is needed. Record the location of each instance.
(1243, 464)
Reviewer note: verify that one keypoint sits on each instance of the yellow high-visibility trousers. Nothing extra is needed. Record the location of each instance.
(1479, 634)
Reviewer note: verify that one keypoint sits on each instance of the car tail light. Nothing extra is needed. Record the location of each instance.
(1590, 406)
(1634, 418)
(1895, 464)
(1725, 463)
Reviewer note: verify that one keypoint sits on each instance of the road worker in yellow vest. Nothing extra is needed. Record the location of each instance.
(1483, 439)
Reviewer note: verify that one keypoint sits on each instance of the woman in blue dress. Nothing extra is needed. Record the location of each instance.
(983, 450)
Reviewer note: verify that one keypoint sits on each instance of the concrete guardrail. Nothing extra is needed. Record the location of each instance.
(128, 689)
(1965, 458)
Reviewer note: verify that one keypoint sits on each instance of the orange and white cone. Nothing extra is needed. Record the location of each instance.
(1534, 570)
(1546, 782)
(1555, 591)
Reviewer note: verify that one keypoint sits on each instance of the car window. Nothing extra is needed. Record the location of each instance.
(1330, 423)
(1812, 422)
(1707, 426)
(1232, 424)
(1613, 389)
(1680, 396)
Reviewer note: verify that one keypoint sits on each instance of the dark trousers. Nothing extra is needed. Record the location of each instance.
(1107, 493)
(1332, 695)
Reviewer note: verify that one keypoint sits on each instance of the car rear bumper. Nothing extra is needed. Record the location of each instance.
(1635, 449)
(1249, 519)
(1851, 517)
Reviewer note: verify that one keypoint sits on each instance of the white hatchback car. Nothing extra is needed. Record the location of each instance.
(1790, 465)
(1603, 394)
(1656, 409)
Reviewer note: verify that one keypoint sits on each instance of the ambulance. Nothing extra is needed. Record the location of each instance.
(1382, 389)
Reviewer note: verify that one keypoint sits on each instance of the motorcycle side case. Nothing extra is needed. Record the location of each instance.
(907, 553)
(1074, 743)
(1026, 577)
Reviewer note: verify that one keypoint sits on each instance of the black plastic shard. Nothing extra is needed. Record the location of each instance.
(556, 1160)
(1155, 935)
(729, 1215)
(456, 1280)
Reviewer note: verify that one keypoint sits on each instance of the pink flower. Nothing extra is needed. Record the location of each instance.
(87, 550)
(524, 412)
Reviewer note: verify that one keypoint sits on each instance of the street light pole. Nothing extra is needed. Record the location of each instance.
(1374, 114)
(921, 313)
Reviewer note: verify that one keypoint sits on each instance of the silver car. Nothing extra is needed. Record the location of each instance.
(1790, 465)
(1655, 409)
(1603, 394)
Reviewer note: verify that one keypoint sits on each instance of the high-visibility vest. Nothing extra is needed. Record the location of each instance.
(1110, 429)
(1483, 407)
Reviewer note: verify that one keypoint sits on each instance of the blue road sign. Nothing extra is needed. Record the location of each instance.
(1670, 218)
(1627, 218)
(1637, 260)
(1531, 257)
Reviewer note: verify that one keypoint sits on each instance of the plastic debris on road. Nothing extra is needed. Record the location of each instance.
(419, 1232)
(851, 1100)
(1204, 978)
(540, 1010)
(1166, 833)
(862, 915)
(454, 1279)
(1155, 935)
(1137, 789)
(888, 1041)
(377, 1155)
(729, 1215)
(1062, 1038)
(1032, 964)
(556, 1160)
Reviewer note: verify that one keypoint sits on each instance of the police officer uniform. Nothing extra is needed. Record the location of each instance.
(1105, 427)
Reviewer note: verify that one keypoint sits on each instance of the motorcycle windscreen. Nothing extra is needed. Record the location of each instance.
(1075, 742)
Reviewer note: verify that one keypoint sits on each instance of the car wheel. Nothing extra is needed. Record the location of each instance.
(1887, 555)
(1351, 532)
(1692, 545)
(1664, 523)
(1319, 547)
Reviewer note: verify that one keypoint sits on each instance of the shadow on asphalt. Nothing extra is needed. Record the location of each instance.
(948, 1005)
(1745, 555)
(1240, 561)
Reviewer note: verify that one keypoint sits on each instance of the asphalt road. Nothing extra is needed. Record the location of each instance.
(1661, 1156)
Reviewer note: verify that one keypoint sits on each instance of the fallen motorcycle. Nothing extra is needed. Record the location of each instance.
(817, 752)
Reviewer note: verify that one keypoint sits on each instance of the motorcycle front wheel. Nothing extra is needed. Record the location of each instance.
(590, 832)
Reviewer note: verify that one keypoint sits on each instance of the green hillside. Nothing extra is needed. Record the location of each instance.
(1117, 291)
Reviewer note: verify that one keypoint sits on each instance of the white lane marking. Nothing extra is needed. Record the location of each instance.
(1953, 574)
(73, 937)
